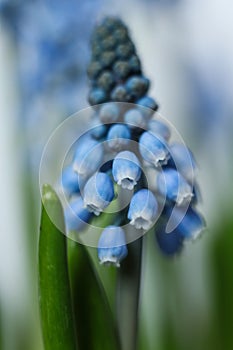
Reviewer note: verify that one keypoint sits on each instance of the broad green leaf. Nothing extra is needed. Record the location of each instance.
(55, 297)
(94, 321)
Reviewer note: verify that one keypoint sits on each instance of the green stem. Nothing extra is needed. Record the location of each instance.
(128, 291)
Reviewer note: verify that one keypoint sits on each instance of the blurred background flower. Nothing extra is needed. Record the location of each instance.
(186, 51)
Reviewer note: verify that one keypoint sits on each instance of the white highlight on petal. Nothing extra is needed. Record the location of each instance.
(160, 158)
(143, 209)
(184, 194)
(127, 183)
(141, 223)
(126, 169)
(110, 260)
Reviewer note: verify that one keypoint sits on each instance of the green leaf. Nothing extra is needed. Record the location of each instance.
(94, 321)
(55, 297)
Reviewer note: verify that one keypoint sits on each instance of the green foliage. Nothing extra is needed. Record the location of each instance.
(74, 309)
(93, 319)
(222, 263)
(55, 300)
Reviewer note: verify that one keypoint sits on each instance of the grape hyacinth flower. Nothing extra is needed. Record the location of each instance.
(126, 134)
(70, 181)
(149, 103)
(109, 113)
(157, 127)
(112, 246)
(174, 187)
(143, 209)
(135, 118)
(126, 169)
(190, 224)
(88, 156)
(118, 137)
(76, 216)
(188, 227)
(170, 244)
(99, 131)
(153, 149)
(98, 193)
(182, 158)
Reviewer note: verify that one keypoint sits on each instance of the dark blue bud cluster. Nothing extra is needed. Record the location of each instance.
(105, 162)
(115, 71)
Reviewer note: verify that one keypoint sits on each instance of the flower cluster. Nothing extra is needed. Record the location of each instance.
(130, 148)
(115, 70)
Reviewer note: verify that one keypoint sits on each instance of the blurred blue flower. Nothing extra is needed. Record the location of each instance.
(143, 209)
(189, 223)
(126, 169)
(174, 187)
(159, 128)
(112, 246)
(76, 216)
(135, 118)
(120, 94)
(183, 160)
(98, 193)
(88, 156)
(153, 149)
(47, 39)
(150, 105)
(97, 96)
(137, 86)
(171, 243)
(118, 137)
(109, 112)
(70, 181)
(99, 131)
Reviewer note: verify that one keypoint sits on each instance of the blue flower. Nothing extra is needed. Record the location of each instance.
(94, 69)
(153, 149)
(135, 64)
(126, 169)
(135, 118)
(159, 128)
(148, 102)
(97, 96)
(120, 93)
(112, 246)
(118, 137)
(88, 156)
(76, 216)
(137, 86)
(150, 105)
(189, 223)
(99, 131)
(98, 193)
(174, 187)
(169, 243)
(116, 76)
(121, 69)
(106, 79)
(143, 209)
(70, 181)
(109, 112)
(182, 159)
